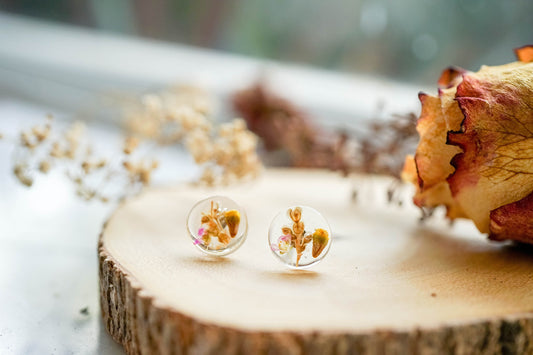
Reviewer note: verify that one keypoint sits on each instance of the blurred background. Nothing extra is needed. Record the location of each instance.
(408, 40)
(339, 60)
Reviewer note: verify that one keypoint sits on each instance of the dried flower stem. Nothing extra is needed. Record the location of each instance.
(40, 149)
(295, 237)
(378, 148)
(220, 224)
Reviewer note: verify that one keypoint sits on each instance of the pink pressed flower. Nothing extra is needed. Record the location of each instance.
(285, 238)
(201, 232)
(197, 241)
(284, 243)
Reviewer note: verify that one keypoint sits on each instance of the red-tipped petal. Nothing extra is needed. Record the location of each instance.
(450, 77)
(433, 156)
(524, 54)
(487, 117)
(513, 221)
(496, 166)
(431, 162)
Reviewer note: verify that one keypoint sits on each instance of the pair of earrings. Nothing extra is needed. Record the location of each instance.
(299, 236)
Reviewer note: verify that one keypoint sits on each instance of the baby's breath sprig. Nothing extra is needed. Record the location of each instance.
(29, 156)
(41, 148)
(167, 116)
(226, 152)
(122, 175)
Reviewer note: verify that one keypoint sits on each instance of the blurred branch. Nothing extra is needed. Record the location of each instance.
(377, 148)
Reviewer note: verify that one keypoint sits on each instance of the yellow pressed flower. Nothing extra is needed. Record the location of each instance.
(233, 219)
(320, 240)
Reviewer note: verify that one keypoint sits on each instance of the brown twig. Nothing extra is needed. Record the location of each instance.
(380, 147)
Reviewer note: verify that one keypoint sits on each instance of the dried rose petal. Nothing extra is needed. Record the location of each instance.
(432, 159)
(409, 173)
(475, 154)
(524, 54)
(451, 77)
(513, 221)
(496, 166)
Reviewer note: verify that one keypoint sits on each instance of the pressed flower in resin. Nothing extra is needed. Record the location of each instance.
(300, 237)
(217, 225)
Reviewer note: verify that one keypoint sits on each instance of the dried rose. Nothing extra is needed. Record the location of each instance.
(475, 154)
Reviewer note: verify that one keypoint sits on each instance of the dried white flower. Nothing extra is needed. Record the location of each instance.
(198, 142)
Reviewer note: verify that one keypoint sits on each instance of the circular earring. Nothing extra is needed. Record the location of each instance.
(217, 225)
(299, 237)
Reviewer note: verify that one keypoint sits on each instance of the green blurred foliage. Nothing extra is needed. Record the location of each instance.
(409, 40)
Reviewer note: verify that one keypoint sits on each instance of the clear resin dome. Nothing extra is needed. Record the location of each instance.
(217, 225)
(299, 236)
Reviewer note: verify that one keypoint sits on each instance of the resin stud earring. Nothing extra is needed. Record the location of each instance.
(299, 237)
(217, 225)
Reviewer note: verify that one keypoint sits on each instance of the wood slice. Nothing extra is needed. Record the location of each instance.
(389, 284)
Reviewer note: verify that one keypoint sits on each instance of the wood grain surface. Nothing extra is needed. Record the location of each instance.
(389, 284)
